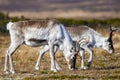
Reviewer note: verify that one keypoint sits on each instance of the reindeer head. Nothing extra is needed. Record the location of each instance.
(70, 56)
(108, 43)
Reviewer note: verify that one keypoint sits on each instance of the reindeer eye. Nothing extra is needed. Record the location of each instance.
(109, 44)
(71, 49)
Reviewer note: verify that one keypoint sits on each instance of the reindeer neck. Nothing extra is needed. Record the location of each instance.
(67, 37)
(99, 39)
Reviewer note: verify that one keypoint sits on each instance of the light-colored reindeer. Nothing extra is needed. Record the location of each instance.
(86, 38)
(38, 33)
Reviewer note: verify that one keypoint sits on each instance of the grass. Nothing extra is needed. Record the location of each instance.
(105, 66)
(100, 23)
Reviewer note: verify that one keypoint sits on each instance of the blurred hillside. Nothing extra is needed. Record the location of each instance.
(62, 8)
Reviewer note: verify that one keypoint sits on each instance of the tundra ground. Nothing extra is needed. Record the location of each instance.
(105, 66)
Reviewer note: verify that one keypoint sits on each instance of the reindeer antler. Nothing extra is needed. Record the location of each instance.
(113, 29)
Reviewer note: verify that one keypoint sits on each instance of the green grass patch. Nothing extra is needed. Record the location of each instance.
(32, 78)
(115, 77)
(66, 77)
(94, 23)
(51, 77)
(44, 72)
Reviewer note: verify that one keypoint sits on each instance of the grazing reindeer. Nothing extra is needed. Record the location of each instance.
(38, 33)
(86, 39)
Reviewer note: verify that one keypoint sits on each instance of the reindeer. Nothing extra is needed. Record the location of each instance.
(38, 33)
(86, 38)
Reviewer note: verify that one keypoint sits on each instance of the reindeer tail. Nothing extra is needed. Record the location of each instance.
(9, 24)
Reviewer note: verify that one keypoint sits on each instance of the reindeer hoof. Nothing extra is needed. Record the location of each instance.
(59, 69)
(12, 71)
(84, 68)
(6, 72)
(89, 64)
(37, 68)
(54, 70)
(72, 69)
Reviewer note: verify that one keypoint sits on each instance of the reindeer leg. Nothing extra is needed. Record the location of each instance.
(6, 63)
(91, 56)
(42, 52)
(82, 51)
(16, 41)
(52, 56)
(56, 64)
(8, 56)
